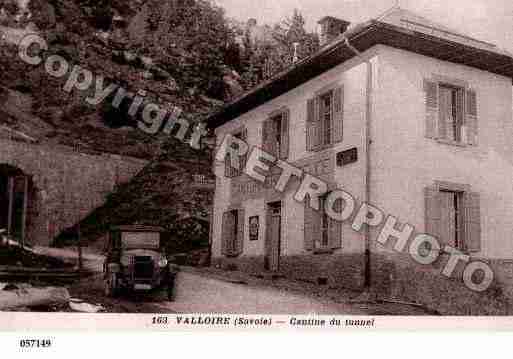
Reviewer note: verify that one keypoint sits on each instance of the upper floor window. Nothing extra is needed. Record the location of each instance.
(326, 113)
(275, 134)
(324, 124)
(229, 170)
(451, 112)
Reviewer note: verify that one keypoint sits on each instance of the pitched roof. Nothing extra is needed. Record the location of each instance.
(397, 28)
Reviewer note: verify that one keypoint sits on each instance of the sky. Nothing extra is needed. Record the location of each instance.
(487, 20)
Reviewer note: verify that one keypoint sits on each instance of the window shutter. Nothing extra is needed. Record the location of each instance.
(472, 221)
(267, 135)
(244, 159)
(227, 167)
(239, 241)
(431, 91)
(338, 115)
(226, 233)
(312, 126)
(312, 230)
(433, 213)
(284, 149)
(471, 124)
(335, 236)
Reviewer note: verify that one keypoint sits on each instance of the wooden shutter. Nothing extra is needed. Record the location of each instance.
(431, 92)
(227, 230)
(267, 135)
(472, 221)
(338, 115)
(432, 212)
(312, 231)
(284, 149)
(227, 166)
(244, 159)
(335, 234)
(239, 241)
(312, 126)
(471, 124)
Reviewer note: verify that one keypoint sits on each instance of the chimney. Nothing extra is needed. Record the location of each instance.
(331, 27)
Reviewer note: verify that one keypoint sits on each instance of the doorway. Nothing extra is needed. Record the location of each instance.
(273, 237)
(14, 189)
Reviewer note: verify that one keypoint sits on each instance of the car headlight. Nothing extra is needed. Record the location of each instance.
(162, 262)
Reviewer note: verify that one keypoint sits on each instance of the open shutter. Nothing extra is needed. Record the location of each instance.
(472, 221)
(267, 135)
(227, 167)
(284, 149)
(239, 241)
(338, 115)
(244, 159)
(312, 232)
(335, 236)
(226, 230)
(471, 124)
(312, 126)
(431, 92)
(433, 212)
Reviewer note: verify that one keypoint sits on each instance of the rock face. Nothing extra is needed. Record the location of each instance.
(102, 36)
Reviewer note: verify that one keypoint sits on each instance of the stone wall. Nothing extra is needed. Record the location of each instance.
(65, 185)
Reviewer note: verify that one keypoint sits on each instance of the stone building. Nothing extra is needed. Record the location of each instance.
(402, 113)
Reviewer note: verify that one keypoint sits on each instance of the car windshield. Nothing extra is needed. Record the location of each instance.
(140, 240)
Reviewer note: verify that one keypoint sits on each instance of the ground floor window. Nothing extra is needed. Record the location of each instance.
(453, 215)
(321, 233)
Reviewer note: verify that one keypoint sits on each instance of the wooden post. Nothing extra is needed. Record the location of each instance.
(11, 205)
(25, 206)
(80, 263)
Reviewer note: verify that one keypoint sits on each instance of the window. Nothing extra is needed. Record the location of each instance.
(326, 117)
(230, 171)
(275, 134)
(453, 216)
(324, 124)
(451, 222)
(451, 113)
(276, 123)
(322, 233)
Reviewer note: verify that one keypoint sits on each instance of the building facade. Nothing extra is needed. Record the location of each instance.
(403, 114)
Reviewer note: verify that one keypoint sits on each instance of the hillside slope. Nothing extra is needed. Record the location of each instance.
(117, 40)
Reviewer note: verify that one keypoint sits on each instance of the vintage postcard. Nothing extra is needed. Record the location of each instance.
(262, 164)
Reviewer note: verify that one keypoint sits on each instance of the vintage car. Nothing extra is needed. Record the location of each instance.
(135, 261)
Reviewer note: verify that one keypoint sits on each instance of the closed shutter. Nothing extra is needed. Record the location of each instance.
(239, 241)
(284, 148)
(431, 92)
(312, 231)
(471, 124)
(312, 126)
(338, 115)
(335, 236)
(472, 221)
(226, 233)
(433, 213)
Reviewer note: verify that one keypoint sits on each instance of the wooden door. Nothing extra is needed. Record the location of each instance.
(273, 237)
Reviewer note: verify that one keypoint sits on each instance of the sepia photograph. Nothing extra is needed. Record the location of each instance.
(256, 164)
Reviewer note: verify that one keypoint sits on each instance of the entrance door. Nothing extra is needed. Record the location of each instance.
(273, 237)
